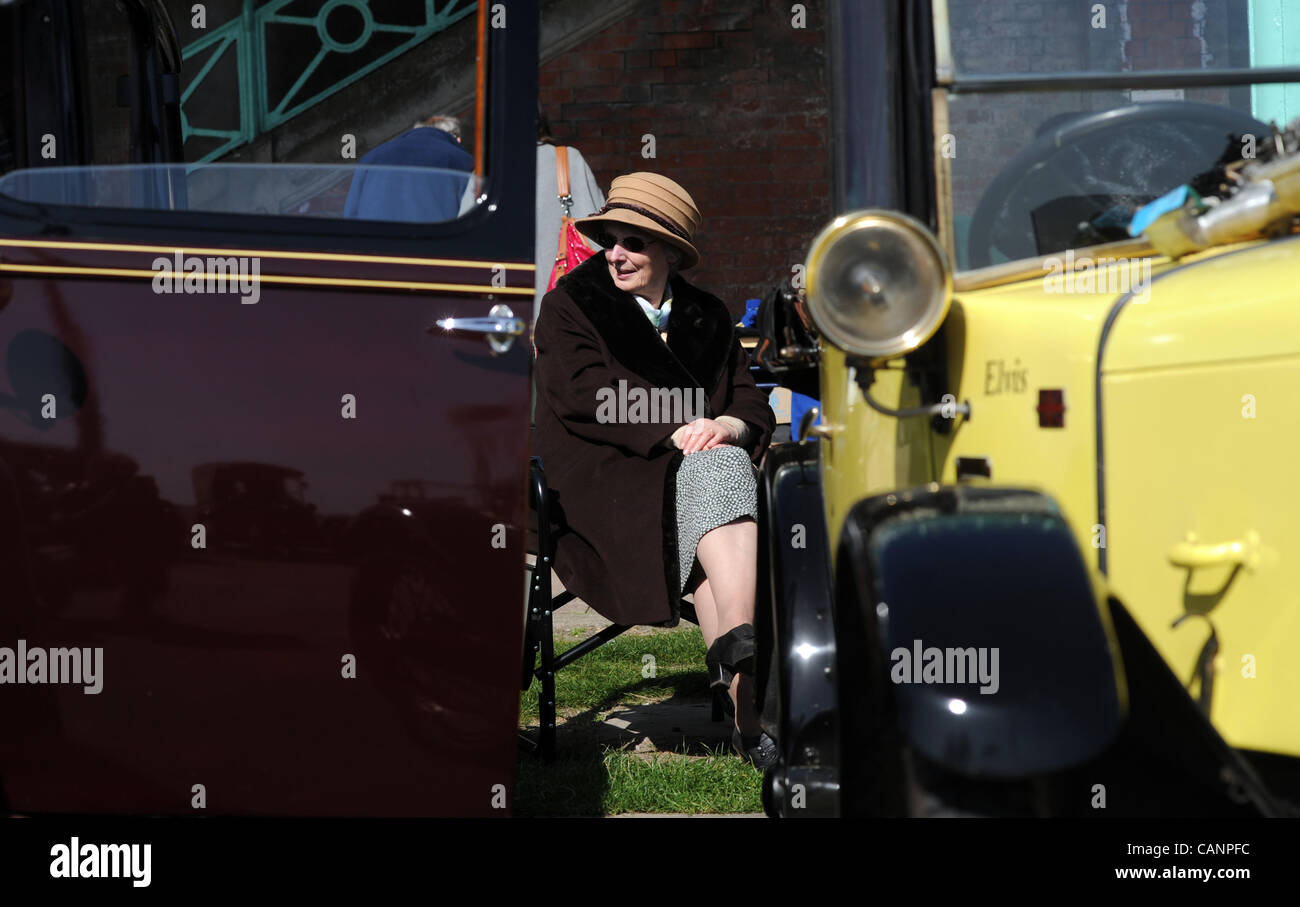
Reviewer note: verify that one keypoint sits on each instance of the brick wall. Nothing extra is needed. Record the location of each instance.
(1168, 34)
(736, 99)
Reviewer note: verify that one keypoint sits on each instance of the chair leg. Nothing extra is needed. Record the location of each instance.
(595, 641)
(540, 601)
(546, 703)
(537, 597)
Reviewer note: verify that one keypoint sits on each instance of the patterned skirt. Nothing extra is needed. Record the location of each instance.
(714, 487)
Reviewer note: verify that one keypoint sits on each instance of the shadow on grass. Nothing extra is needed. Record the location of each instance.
(577, 783)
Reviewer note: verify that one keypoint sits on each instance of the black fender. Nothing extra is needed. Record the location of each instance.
(983, 578)
(799, 641)
(1086, 719)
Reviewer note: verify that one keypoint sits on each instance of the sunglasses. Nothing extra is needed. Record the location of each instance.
(632, 244)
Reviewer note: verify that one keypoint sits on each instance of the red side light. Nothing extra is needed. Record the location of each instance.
(1051, 409)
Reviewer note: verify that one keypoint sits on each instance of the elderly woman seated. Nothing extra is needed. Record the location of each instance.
(649, 425)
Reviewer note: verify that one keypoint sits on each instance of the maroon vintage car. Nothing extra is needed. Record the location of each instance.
(219, 403)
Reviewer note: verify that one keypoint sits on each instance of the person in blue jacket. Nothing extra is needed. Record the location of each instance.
(407, 195)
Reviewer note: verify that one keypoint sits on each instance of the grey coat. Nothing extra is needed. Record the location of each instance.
(587, 199)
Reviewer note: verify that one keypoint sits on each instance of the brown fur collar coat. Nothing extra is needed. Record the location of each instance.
(613, 482)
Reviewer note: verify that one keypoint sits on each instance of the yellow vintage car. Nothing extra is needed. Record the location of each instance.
(1040, 554)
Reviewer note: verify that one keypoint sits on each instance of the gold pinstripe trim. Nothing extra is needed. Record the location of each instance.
(276, 278)
(267, 253)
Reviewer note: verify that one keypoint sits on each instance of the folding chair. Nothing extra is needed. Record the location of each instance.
(539, 631)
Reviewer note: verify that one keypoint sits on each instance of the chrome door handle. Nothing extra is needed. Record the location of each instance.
(500, 325)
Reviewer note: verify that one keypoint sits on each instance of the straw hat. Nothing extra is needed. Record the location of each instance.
(653, 204)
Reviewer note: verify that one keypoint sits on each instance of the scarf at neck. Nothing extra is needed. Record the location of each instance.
(658, 317)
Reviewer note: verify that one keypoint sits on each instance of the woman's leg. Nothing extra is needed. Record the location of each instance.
(729, 556)
(725, 600)
(706, 610)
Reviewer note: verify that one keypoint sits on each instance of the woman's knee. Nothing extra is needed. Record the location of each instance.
(730, 472)
(740, 527)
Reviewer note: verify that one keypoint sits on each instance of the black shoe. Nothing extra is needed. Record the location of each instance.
(759, 750)
(732, 653)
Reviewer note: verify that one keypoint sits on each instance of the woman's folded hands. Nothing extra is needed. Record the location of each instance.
(706, 434)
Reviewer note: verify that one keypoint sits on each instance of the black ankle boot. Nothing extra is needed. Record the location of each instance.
(732, 653)
(760, 750)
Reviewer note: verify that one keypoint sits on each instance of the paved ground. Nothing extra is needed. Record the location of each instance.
(576, 614)
(665, 727)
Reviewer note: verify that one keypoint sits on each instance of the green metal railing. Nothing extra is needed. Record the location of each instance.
(261, 62)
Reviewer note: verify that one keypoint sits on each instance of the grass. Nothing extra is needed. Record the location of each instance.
(591, 778)
(614, 674)
(718, 783)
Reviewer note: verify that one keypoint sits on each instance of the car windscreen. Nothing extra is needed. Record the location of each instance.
(1042, 159)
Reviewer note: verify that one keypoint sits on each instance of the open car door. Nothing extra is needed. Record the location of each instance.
(262, 472)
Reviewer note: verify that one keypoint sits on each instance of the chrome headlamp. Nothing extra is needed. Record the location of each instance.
(878, 283)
